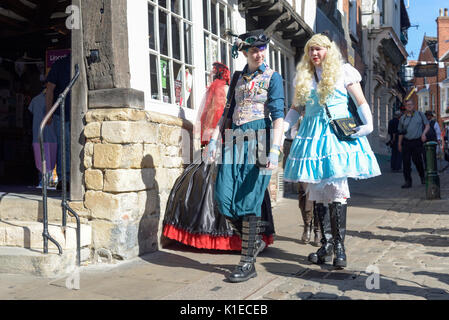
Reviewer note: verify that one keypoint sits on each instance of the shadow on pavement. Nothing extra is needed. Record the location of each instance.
(355, 285)
(171, 260)
(426, 240)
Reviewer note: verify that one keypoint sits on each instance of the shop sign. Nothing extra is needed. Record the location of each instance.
(54, 55)
(425, 70)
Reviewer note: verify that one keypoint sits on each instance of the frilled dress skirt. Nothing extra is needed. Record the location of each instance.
(319, 158)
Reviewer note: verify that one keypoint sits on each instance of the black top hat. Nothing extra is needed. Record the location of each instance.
(255, 38)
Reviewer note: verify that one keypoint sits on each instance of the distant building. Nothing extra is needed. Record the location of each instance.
(432, 82)
(385, 25)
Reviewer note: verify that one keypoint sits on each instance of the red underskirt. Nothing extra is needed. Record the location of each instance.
(206, 241)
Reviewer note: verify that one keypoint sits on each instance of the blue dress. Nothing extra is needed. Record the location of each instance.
(316, 154)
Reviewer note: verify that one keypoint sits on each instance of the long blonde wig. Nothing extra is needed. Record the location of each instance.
(305, 69)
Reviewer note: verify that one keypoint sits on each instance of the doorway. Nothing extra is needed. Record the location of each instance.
(34, 35)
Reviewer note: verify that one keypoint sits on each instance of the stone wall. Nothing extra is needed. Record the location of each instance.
(132, 159)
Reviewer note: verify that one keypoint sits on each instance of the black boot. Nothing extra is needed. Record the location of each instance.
(325, 252)
(338, 222)
(316, 229)
(252, 245)
(306, 234)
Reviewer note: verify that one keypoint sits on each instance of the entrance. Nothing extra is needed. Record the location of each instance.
(34, 35)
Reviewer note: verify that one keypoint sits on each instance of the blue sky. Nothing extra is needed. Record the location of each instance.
(422, 13)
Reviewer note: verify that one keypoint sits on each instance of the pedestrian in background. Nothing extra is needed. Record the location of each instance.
(37, 108)
(413, 127)
(317, 156)
(57, 80)
(434, 134)
(396, 157)
(306, 207)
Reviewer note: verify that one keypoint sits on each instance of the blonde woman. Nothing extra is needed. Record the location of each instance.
(317, 157)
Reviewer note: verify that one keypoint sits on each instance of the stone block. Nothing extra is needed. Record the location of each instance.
(172, 162)
(132, 156)
(166, 177)
(89, 149)
(122, 114)
(113, 207)
(80, 209)
(87, 162)
(126, 180)
(151, 156)
(129, 132)
(170, 135)
(93, 179)
(172, 151)
(149, 202)
(102, 205)
(92, 130)
(107, 156)
(126, 239)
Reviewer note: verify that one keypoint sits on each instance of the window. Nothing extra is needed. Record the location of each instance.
(217, 18)
(170, 53)
(381, 8)
(353, 17)
(426, 103)
(280, 62)
(445, 101)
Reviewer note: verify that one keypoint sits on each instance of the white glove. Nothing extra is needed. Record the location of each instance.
(364, 112)
(290, 119)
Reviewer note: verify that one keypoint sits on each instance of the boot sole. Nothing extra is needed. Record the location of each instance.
(235, 280)
(327, 259)
(340, 264)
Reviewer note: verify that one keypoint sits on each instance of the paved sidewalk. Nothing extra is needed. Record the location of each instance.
(392, 231)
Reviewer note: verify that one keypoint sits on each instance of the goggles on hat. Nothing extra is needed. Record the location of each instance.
(252, 39)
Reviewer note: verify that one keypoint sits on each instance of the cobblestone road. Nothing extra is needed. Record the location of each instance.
(397, 245)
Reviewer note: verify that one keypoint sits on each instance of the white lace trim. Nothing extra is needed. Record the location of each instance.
(327, 192)
(313, 138)
(353, 175)
(328, 156)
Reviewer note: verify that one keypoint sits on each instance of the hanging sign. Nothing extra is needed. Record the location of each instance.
(425, 70)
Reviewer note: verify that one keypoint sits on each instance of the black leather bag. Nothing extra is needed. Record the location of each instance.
(343, 128)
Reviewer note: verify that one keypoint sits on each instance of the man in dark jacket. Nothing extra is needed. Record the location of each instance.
(396, 156)
(413, 127)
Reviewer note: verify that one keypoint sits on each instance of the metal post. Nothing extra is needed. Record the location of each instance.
(432, 178)
(44, 194)
(63, 165)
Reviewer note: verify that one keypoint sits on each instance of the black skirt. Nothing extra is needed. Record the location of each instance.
(191, 216)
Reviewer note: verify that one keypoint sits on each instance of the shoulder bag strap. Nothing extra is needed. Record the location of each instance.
(232, 86)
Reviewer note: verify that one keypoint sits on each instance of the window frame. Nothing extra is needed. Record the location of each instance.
(169, 57)
(217, 38)
(353, 18)
(276, 50)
